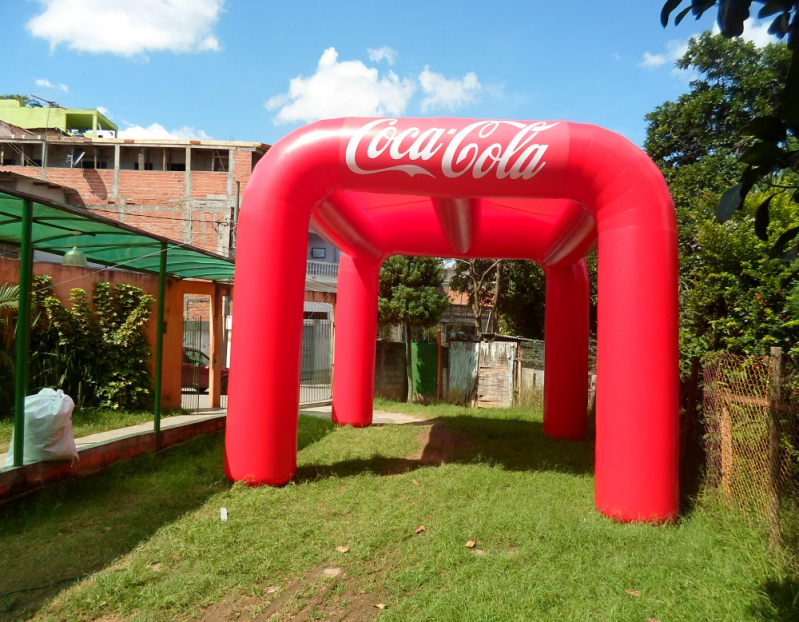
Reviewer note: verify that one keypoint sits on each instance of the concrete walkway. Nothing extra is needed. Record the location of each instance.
(379, 417)
(142, 428)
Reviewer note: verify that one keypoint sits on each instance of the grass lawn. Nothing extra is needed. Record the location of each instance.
(93, 420)
(144, 541)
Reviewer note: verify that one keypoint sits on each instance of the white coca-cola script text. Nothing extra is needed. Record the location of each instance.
(519, 157)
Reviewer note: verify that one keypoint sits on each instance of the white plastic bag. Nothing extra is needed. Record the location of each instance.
(48, 428)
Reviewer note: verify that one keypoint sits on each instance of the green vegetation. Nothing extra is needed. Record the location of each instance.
(407, 296)
(103, 357)
(96, 352)
(147, 540)
(772, 161)
(734, 296)
(86, 421)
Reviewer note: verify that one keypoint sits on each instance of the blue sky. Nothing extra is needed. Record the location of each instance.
(255, 69)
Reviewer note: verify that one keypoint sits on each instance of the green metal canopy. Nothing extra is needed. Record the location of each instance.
(56, 228)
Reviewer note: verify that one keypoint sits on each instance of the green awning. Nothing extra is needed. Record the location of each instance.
(57, 228)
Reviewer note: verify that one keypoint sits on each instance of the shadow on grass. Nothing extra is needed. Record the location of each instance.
(55, 536)
(783, 601)
(513, 444)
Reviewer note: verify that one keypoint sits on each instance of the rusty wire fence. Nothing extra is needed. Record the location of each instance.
(751, 436)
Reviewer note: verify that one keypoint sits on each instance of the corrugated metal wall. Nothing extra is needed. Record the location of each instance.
(463, 360)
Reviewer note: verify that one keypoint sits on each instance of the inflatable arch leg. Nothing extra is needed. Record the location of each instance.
(262, 405)
(637, 455)
(356, 332)
(566, 360)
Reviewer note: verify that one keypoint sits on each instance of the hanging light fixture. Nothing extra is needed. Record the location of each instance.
(75, 256)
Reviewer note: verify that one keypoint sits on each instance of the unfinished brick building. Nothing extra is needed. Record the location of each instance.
(186, 190)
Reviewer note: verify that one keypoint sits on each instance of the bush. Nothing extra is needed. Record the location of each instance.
(96, 352)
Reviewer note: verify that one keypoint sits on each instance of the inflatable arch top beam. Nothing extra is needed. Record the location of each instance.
(547, 191)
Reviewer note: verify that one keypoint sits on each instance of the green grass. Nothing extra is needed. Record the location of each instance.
(93, 420)
(147, 538)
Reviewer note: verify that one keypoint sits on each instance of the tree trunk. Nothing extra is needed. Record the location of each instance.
(493, 315)
(478, 316)
(408, 361)
(477, 308)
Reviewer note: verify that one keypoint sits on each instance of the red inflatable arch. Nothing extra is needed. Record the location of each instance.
(548, 191)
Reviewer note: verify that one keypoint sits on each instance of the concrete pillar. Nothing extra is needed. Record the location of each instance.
(187, 199)
(115, 183)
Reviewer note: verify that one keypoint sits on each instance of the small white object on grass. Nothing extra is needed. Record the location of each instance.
(223, 514)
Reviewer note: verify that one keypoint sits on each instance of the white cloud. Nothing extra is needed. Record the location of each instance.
(159, 132)
(104, 111)
(385, 52)
(652, 60)
(441, 92)
(675, 49)
(129, 28)
(341, 89)
(754, 32)
(46, 84)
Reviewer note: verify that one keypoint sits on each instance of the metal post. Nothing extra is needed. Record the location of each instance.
(23, 330)
(774, 446)
(438, 368)
(159, 344)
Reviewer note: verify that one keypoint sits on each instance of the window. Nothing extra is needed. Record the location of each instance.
(215, 160)
(194, 357)
(318, 253)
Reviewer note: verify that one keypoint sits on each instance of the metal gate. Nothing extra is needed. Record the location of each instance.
(192, 368)
(317, 361)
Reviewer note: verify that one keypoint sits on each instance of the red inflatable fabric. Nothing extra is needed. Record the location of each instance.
(547, 191)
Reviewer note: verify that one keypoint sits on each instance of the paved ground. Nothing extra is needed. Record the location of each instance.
(142, 428)
(380, 417)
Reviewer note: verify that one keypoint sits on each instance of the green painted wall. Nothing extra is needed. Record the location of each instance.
(56, 118)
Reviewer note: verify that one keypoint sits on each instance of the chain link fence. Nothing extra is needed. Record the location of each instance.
(530, 374)
(751, 435)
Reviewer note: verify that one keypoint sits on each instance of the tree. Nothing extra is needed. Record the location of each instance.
(23, 100)
(773, 160)
(477, 278)
(407, 296)
(733, 296)
(736, 297)
(695, 141)
(523, 299)
(102, 354)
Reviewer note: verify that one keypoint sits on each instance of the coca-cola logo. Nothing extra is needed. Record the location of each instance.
(469, 150)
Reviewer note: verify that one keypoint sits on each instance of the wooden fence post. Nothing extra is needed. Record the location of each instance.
(774, 447)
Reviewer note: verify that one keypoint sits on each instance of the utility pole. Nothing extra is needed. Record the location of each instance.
(234, 220)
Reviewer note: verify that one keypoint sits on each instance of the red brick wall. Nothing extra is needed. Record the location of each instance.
(204, 183)
(156, 188)
(243, 168)
(154, 200)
